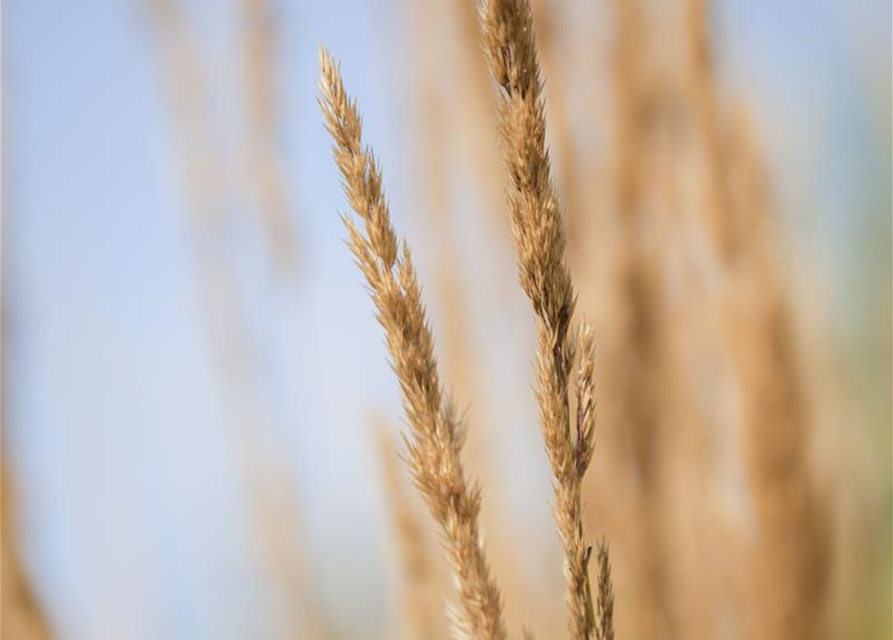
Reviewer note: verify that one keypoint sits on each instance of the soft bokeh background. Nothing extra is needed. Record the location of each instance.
(132, 495)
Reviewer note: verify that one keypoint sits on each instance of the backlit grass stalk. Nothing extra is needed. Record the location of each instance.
(540, 241)
(436, 431)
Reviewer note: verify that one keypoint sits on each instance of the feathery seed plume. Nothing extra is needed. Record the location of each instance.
(540, 241)
(435, 435)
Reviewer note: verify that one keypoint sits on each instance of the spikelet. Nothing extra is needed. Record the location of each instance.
(436, 432)
(540, 242)
(605, 612)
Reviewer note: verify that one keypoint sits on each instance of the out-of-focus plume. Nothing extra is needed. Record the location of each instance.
(544, 275)
(187, 92)
(283, 555)
(278, 549)
(707, 114)
(794, 551)
(264, 164)
(421, 602)
(785, 584)
(436, 432)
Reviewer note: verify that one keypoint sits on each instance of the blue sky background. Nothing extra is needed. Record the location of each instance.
(134, 513)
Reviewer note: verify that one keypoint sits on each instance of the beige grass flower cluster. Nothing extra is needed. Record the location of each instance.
(436, 431)
(538, 230)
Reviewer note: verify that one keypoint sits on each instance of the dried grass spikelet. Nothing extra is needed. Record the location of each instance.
(605, 600)
(421, 610)
(436, 431)
(265, 164)
(790, 574)
(539, 237)
(21, 616)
